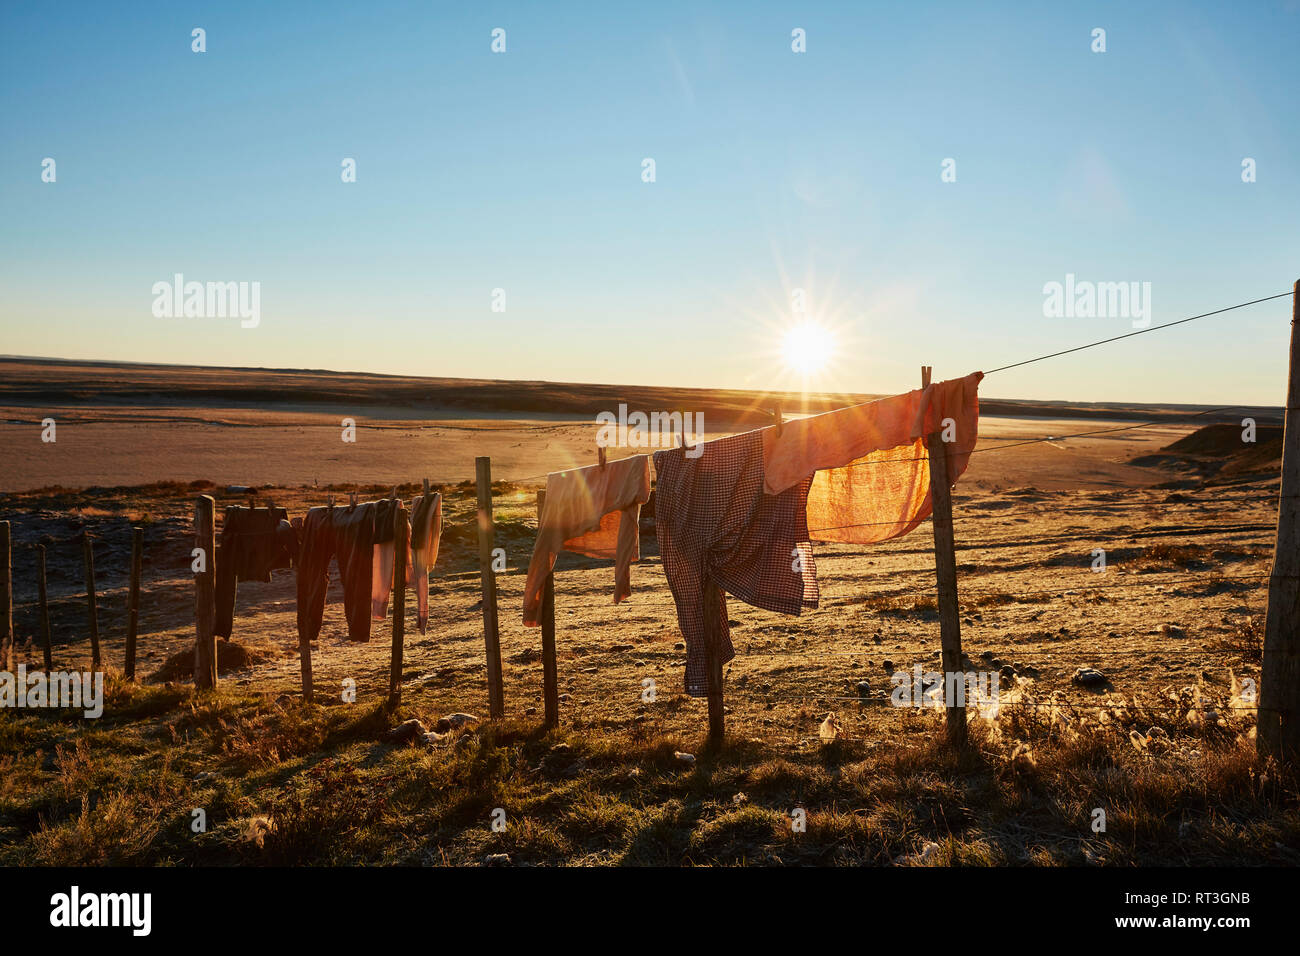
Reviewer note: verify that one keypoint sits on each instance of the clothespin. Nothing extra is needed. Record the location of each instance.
(394, 494)
(329, 501)
(776, 418)
(426, 487)
(600, 456)
(925, 376)
(352, 499)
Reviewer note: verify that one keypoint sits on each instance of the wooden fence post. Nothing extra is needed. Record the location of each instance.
(133, 601)
(486, 540)
(304, 660)
(401, 529)
(7, 662)
(1278, 729)
(43, 592)
(550, 676)
(205, 593)
(717, 706)
(89, 552)
(945, 569)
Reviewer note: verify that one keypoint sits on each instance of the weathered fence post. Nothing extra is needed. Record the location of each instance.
(304, 660)
(550, 676)
(491, 636)
(43, 593)
(1278, 730)
(945, 569)
(133, 601)
(205, 593)
(400, 530)
(89, 551)
(717, 707)
(7, 662)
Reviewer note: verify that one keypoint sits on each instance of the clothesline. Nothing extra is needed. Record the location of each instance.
(1126, 335)
(1009, 444)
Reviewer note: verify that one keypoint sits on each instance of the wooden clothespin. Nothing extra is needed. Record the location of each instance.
(426, 487)
(776, 418)
(352, 499)
(394, 494)
(600, 456)
(925, 376)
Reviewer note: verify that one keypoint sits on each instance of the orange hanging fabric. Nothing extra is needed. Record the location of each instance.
(872, 472)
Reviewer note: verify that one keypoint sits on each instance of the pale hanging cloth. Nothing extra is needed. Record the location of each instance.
(593, 511)
(424, 518)
(426, 533)
(872, 471)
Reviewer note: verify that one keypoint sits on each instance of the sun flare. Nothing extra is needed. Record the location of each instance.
(807, 348)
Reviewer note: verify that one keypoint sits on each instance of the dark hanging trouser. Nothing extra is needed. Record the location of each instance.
(254, 542)
(346, 534)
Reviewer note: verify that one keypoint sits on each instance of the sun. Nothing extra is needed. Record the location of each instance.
(807, 348)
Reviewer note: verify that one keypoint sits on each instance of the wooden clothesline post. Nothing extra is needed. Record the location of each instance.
(304, 665)
(713, 661)
(88, 550)
(133, 601)
(1278, 728)
(487, 577)
(945, 568)
(400, 530)
(205, 593)
(7, 662)
(44, 594)
(550, 677)
(304, 644)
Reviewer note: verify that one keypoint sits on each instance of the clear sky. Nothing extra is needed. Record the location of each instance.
(775, 170)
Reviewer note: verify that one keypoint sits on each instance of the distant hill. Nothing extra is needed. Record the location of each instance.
(1218, 452)
(36, 382)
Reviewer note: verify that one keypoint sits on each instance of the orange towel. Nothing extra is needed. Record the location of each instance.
(872, 472)
(593, 511)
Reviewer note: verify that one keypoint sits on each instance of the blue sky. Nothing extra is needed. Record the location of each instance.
(774, 171)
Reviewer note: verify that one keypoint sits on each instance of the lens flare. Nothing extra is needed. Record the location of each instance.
(807, 348)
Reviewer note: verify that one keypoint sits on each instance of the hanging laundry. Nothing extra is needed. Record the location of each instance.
(254, 542)
(346, 534)
(872, 469)
(426, 531)
(424, 520)
(718, 528)
(381, 577)
(592, 511)
(741, 516)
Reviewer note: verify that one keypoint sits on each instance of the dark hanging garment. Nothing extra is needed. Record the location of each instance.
(347, 535)
(254, 542)
(385, 509)
(718, 528)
